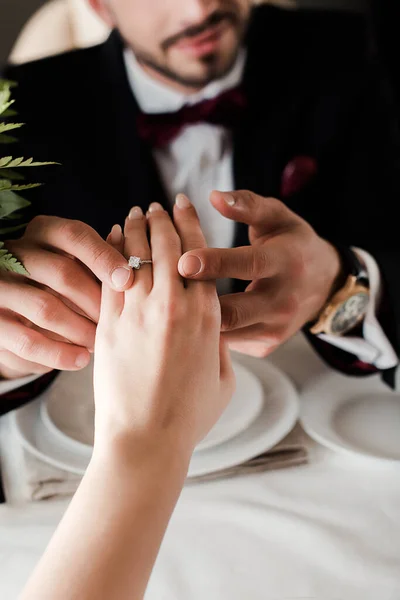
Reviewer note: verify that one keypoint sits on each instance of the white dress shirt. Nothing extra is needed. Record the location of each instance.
(198, 161)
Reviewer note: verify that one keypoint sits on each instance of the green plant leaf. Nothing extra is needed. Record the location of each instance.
(28, 186)
(9, 126)
(10, 113)
(5, 101)
(12, 163)
(8, 262)
(10, 202)
(5, 230)
(4, 161)
(5, 184)
(7, 139)
(4, 104)
(13, 175)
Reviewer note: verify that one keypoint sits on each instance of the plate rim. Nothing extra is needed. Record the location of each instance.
(86, 448)
(288, 419)
(335, 402)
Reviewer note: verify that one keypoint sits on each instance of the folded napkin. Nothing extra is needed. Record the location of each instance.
(43, 481)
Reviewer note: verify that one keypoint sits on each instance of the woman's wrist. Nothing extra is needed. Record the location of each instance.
(125, 453)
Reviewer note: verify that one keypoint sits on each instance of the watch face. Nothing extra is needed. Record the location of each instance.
(349, 313)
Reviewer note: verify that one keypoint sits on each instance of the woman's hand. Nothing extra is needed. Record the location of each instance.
(162, 379)
(161, 371)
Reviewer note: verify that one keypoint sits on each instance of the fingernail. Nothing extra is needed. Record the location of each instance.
(135, 213)
(120, 276)
(182, 201)
(229, 199)
(191, 265)
(82, 360)
(116, 234)
(154, 206)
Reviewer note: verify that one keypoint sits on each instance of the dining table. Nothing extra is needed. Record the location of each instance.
(325, 530)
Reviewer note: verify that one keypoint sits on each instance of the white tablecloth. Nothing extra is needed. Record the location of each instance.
(329, 530)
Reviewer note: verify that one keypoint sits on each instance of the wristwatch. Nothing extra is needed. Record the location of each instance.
(347, 307)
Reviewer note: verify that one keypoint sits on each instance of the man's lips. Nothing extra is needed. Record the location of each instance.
(203, 43)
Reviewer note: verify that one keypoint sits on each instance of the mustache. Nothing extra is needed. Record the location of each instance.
(212, 21)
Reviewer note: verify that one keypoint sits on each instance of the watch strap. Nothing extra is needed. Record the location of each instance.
(351, 263)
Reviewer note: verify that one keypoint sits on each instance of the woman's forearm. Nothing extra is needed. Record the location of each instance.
(107, 543)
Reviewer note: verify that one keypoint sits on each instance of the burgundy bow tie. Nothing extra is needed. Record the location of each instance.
(158, 129)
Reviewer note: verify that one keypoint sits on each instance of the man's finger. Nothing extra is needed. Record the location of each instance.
(84, 243)
(65, 277)
(14, 366)
(265, 215)
(47, 312)
(269, 335)
(247, 263)
(265, 305)
(251, 348)
(31, 345)
(189, 229)
(112, 302)
(188, 225)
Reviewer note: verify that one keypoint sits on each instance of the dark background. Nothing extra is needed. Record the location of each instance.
(15, 13)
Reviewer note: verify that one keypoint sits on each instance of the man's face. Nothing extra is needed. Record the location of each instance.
(190, 42)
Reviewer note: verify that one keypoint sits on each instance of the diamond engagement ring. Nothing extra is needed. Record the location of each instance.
(136, 262)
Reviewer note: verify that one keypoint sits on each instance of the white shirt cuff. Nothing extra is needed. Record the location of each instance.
(374, 348)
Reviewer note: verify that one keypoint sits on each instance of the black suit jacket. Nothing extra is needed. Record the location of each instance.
(314, 89)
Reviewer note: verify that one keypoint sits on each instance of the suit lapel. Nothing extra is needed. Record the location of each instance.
(134, 164)
(266, 139)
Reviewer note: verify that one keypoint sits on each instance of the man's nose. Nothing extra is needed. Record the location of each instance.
(196, 11)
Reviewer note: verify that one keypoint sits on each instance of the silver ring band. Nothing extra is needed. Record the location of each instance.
(136, 262)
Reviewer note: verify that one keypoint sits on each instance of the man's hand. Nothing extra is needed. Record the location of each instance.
(292, 272)
(48, 320)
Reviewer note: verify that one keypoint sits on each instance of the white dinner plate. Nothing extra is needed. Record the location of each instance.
(278, 415)
(72, 420)
(360, 416)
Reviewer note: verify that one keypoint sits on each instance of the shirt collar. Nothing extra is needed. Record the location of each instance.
(156, 97)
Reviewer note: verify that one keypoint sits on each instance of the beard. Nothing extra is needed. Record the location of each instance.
(213, 65)
(213, 69)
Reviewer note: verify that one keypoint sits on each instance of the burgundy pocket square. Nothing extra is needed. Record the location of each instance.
(297, 174)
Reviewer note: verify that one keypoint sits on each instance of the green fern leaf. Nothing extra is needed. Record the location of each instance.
(28, 186)
(9, 126)
(10, 113)
(9, 263)
(12, 175)
(5, 184)
(7, 139)
(11, 202)
(7, 230)
(4, 106)
(4, 161)
(15, 162)
(23, 162)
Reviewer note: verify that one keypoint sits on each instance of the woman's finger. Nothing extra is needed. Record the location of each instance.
(166, 249)
(192, 237)
(137, 244)
(112, 302)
